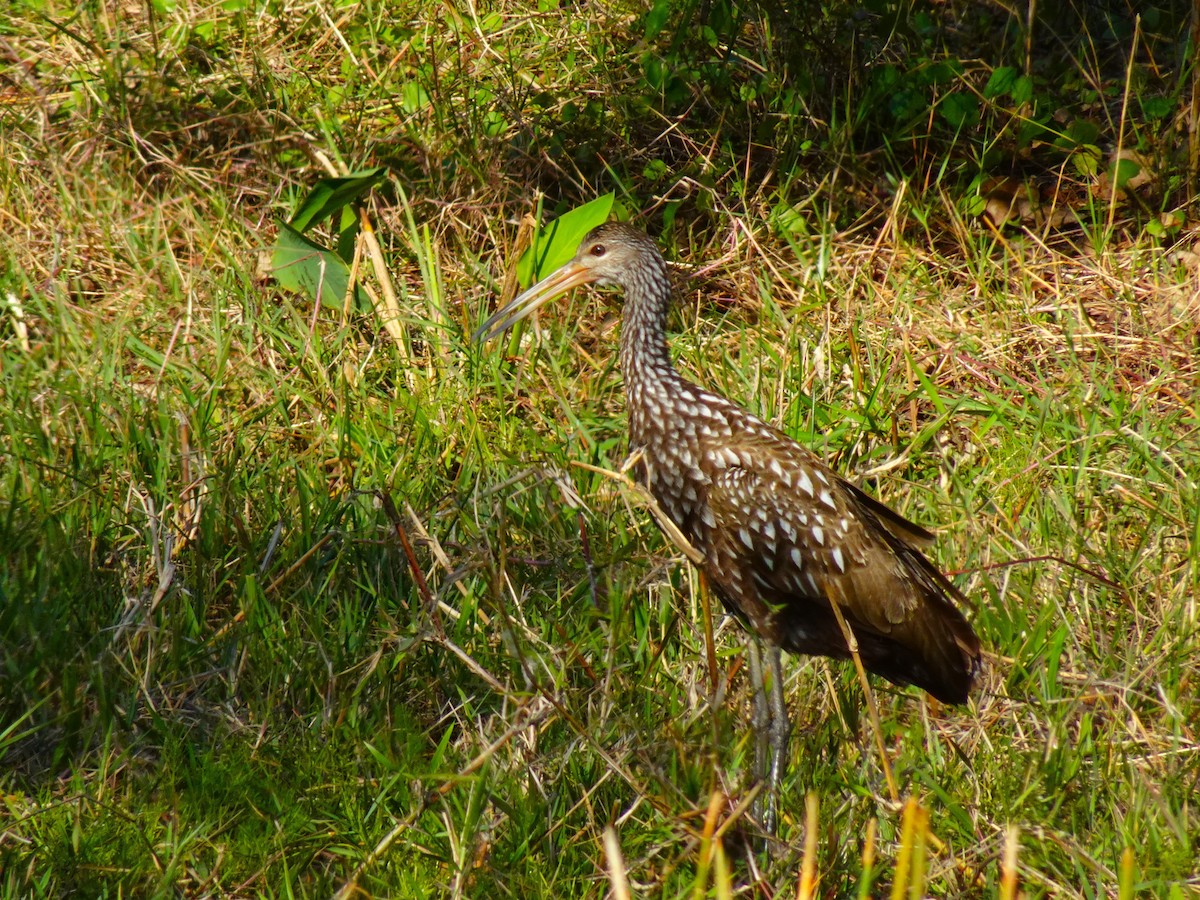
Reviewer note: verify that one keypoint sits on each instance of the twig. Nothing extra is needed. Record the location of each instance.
(872, 709)
(427, 598)
(598, 602)
(643, 496)
(1048, 557)
(617, 878)
(444, 561)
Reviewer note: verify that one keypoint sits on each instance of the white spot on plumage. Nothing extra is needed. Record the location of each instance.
(821, 478)
(797, 558)
(775, 467)
(818, 535)
(827, 499)
(806, 484)
(836, 553)
(746, 538)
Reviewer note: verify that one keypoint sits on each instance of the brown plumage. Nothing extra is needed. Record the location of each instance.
(783, 537)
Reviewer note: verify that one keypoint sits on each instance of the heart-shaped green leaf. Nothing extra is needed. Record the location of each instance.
(308, 268)
(557, 242)
(330, 195)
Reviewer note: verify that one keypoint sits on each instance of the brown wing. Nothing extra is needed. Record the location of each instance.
(909, 532)
(790, 538)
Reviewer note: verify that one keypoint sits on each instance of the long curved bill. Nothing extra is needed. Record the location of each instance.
(554, 285)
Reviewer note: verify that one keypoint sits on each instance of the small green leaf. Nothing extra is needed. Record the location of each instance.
(413, 97)
(1022, 89)
(1123, 170)
(1001, 82)
(668, 215)
(654, 71)
(556, 243)
(1086, 160)
(1084, 131)
(787, 219)
(885, 79)
(657, 17)
(330, 195)
(940, 72)
(1158, 107)
(973, 205)
(1031, 130)
(959, 109)
(307, 268)
(907, 104)
(654, 169)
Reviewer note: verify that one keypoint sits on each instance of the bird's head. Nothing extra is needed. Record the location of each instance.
(613, 254)
(610, 254)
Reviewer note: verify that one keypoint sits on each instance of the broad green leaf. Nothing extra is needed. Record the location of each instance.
(308, 268)
(556, 243)
(330, 195)
(347, 233)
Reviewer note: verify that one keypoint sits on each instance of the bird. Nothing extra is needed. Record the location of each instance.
(795, 552)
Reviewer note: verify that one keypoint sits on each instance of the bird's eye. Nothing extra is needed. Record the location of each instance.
(598, 250)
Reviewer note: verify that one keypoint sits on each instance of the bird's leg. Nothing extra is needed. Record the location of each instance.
(781, 732)
(764, 805)
(761, 721)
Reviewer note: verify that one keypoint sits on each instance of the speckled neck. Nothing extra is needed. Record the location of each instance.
(645, 359)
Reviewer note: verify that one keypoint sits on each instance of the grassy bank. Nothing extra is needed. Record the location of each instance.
(221, 673)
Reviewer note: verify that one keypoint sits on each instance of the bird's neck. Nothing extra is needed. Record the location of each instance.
(645, 358)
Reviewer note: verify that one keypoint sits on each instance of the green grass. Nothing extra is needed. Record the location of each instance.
(218, 674)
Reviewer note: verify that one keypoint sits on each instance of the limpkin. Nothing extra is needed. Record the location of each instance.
(784, 540)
